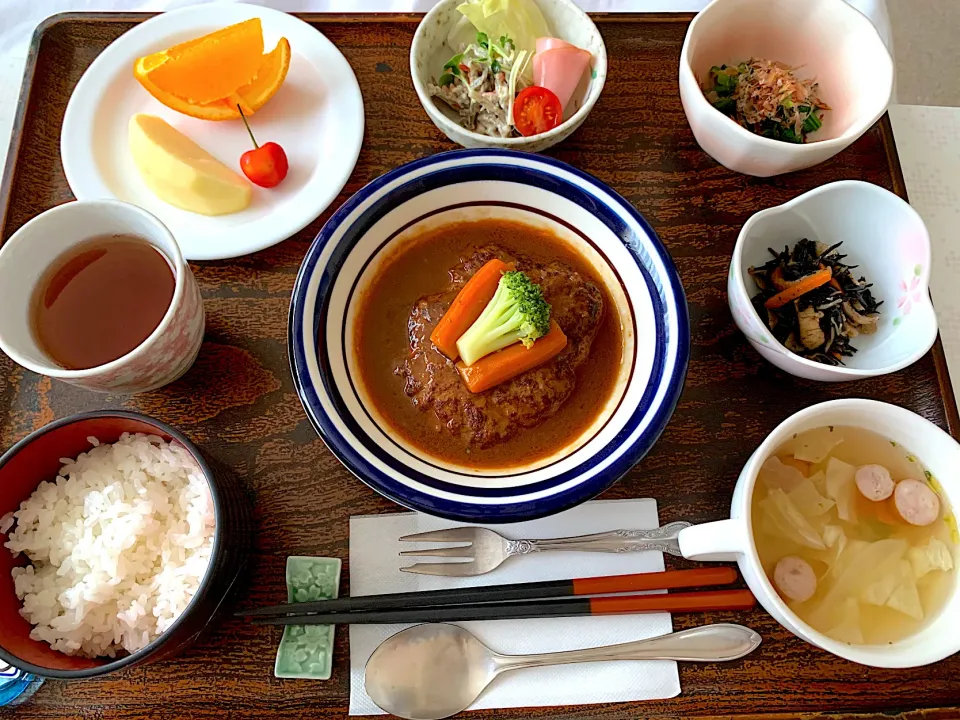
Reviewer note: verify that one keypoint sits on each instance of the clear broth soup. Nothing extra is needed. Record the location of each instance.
(850, 566)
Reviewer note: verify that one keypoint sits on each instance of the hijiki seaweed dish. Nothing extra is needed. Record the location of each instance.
(812, 302)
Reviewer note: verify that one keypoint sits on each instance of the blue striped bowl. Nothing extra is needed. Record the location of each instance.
(474, 184)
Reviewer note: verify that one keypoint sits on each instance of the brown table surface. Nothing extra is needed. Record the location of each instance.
(239, 403)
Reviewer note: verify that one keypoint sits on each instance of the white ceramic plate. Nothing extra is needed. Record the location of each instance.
(316, 116)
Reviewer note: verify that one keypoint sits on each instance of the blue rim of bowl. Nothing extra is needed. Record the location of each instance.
(506, 511)
(113, 664)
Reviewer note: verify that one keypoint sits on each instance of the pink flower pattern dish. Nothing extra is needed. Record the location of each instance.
(912, 292)
(884, 237)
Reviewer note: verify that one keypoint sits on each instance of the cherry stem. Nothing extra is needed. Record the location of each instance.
(247, 126)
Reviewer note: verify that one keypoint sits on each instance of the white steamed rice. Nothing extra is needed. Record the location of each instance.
(119, 544)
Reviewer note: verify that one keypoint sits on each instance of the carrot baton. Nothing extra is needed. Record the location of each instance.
(467, 306)
(800, 287)
(491, 370)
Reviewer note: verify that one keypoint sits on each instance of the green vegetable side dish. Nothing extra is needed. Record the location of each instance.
(766, 98)
(306, 651)
(494, 41)
(516, 313)
(481, 82)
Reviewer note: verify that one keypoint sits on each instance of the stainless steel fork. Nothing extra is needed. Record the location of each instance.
(486, 549)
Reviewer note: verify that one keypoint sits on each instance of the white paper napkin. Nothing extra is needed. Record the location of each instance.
(374, 567)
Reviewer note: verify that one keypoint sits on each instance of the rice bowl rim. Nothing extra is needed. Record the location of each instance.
(202, 588)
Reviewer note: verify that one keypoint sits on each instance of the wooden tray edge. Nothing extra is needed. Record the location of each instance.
(19, 116)
(949, 399)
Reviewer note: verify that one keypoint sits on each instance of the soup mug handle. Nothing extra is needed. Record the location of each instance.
(721, 541)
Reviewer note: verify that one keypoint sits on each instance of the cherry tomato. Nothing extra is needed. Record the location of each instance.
(536, 110)
(266, 165)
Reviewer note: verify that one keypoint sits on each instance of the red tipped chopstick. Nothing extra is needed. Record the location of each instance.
(554, 598)
(640, 582)
(675, 603)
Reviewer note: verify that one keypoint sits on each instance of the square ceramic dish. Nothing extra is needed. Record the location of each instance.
(306, 651)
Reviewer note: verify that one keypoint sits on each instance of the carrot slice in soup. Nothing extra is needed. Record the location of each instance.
(467, 306)
(506, 364)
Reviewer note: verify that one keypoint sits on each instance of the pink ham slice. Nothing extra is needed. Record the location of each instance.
(559, 69)
(545, 43)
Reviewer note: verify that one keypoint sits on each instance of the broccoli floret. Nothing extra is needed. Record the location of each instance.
(517, 313)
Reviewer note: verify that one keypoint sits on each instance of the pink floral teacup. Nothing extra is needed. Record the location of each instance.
(160, 359)
(887, 241)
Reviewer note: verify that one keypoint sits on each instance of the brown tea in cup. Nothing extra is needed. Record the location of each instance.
(101, 300)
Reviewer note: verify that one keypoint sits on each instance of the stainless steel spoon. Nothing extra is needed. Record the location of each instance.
(433, 671)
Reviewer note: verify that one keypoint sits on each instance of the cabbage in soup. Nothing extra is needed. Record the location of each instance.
(855, 535)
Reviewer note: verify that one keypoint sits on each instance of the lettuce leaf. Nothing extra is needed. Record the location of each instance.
(808, 500)
(905, 597)
(872, 563)
(842, 488)
(835, 539)
(878, 592)
(814, 445)
(847, 629)
(778, 476)
(788, 522)
(935, 555)
(519, 20)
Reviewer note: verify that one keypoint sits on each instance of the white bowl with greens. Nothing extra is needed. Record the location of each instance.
(821, 45)
(502, 46)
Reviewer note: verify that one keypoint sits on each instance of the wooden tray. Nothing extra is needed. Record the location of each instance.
(239, 403)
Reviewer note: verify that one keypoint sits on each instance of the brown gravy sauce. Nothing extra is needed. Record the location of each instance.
(420, 268)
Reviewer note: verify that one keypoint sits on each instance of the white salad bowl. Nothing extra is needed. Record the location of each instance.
(429, 51)
(888, 242)
(826, 39)
(732, 539)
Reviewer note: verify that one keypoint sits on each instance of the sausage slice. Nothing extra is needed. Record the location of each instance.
(874, 482)
(916, 502)
(795, 578)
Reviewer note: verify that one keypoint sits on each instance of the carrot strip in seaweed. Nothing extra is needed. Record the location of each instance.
(799, 288)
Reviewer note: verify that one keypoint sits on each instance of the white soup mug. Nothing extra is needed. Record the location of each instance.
(733, 540)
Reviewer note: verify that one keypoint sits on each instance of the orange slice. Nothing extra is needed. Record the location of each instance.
(209, 68)
(271, 72)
